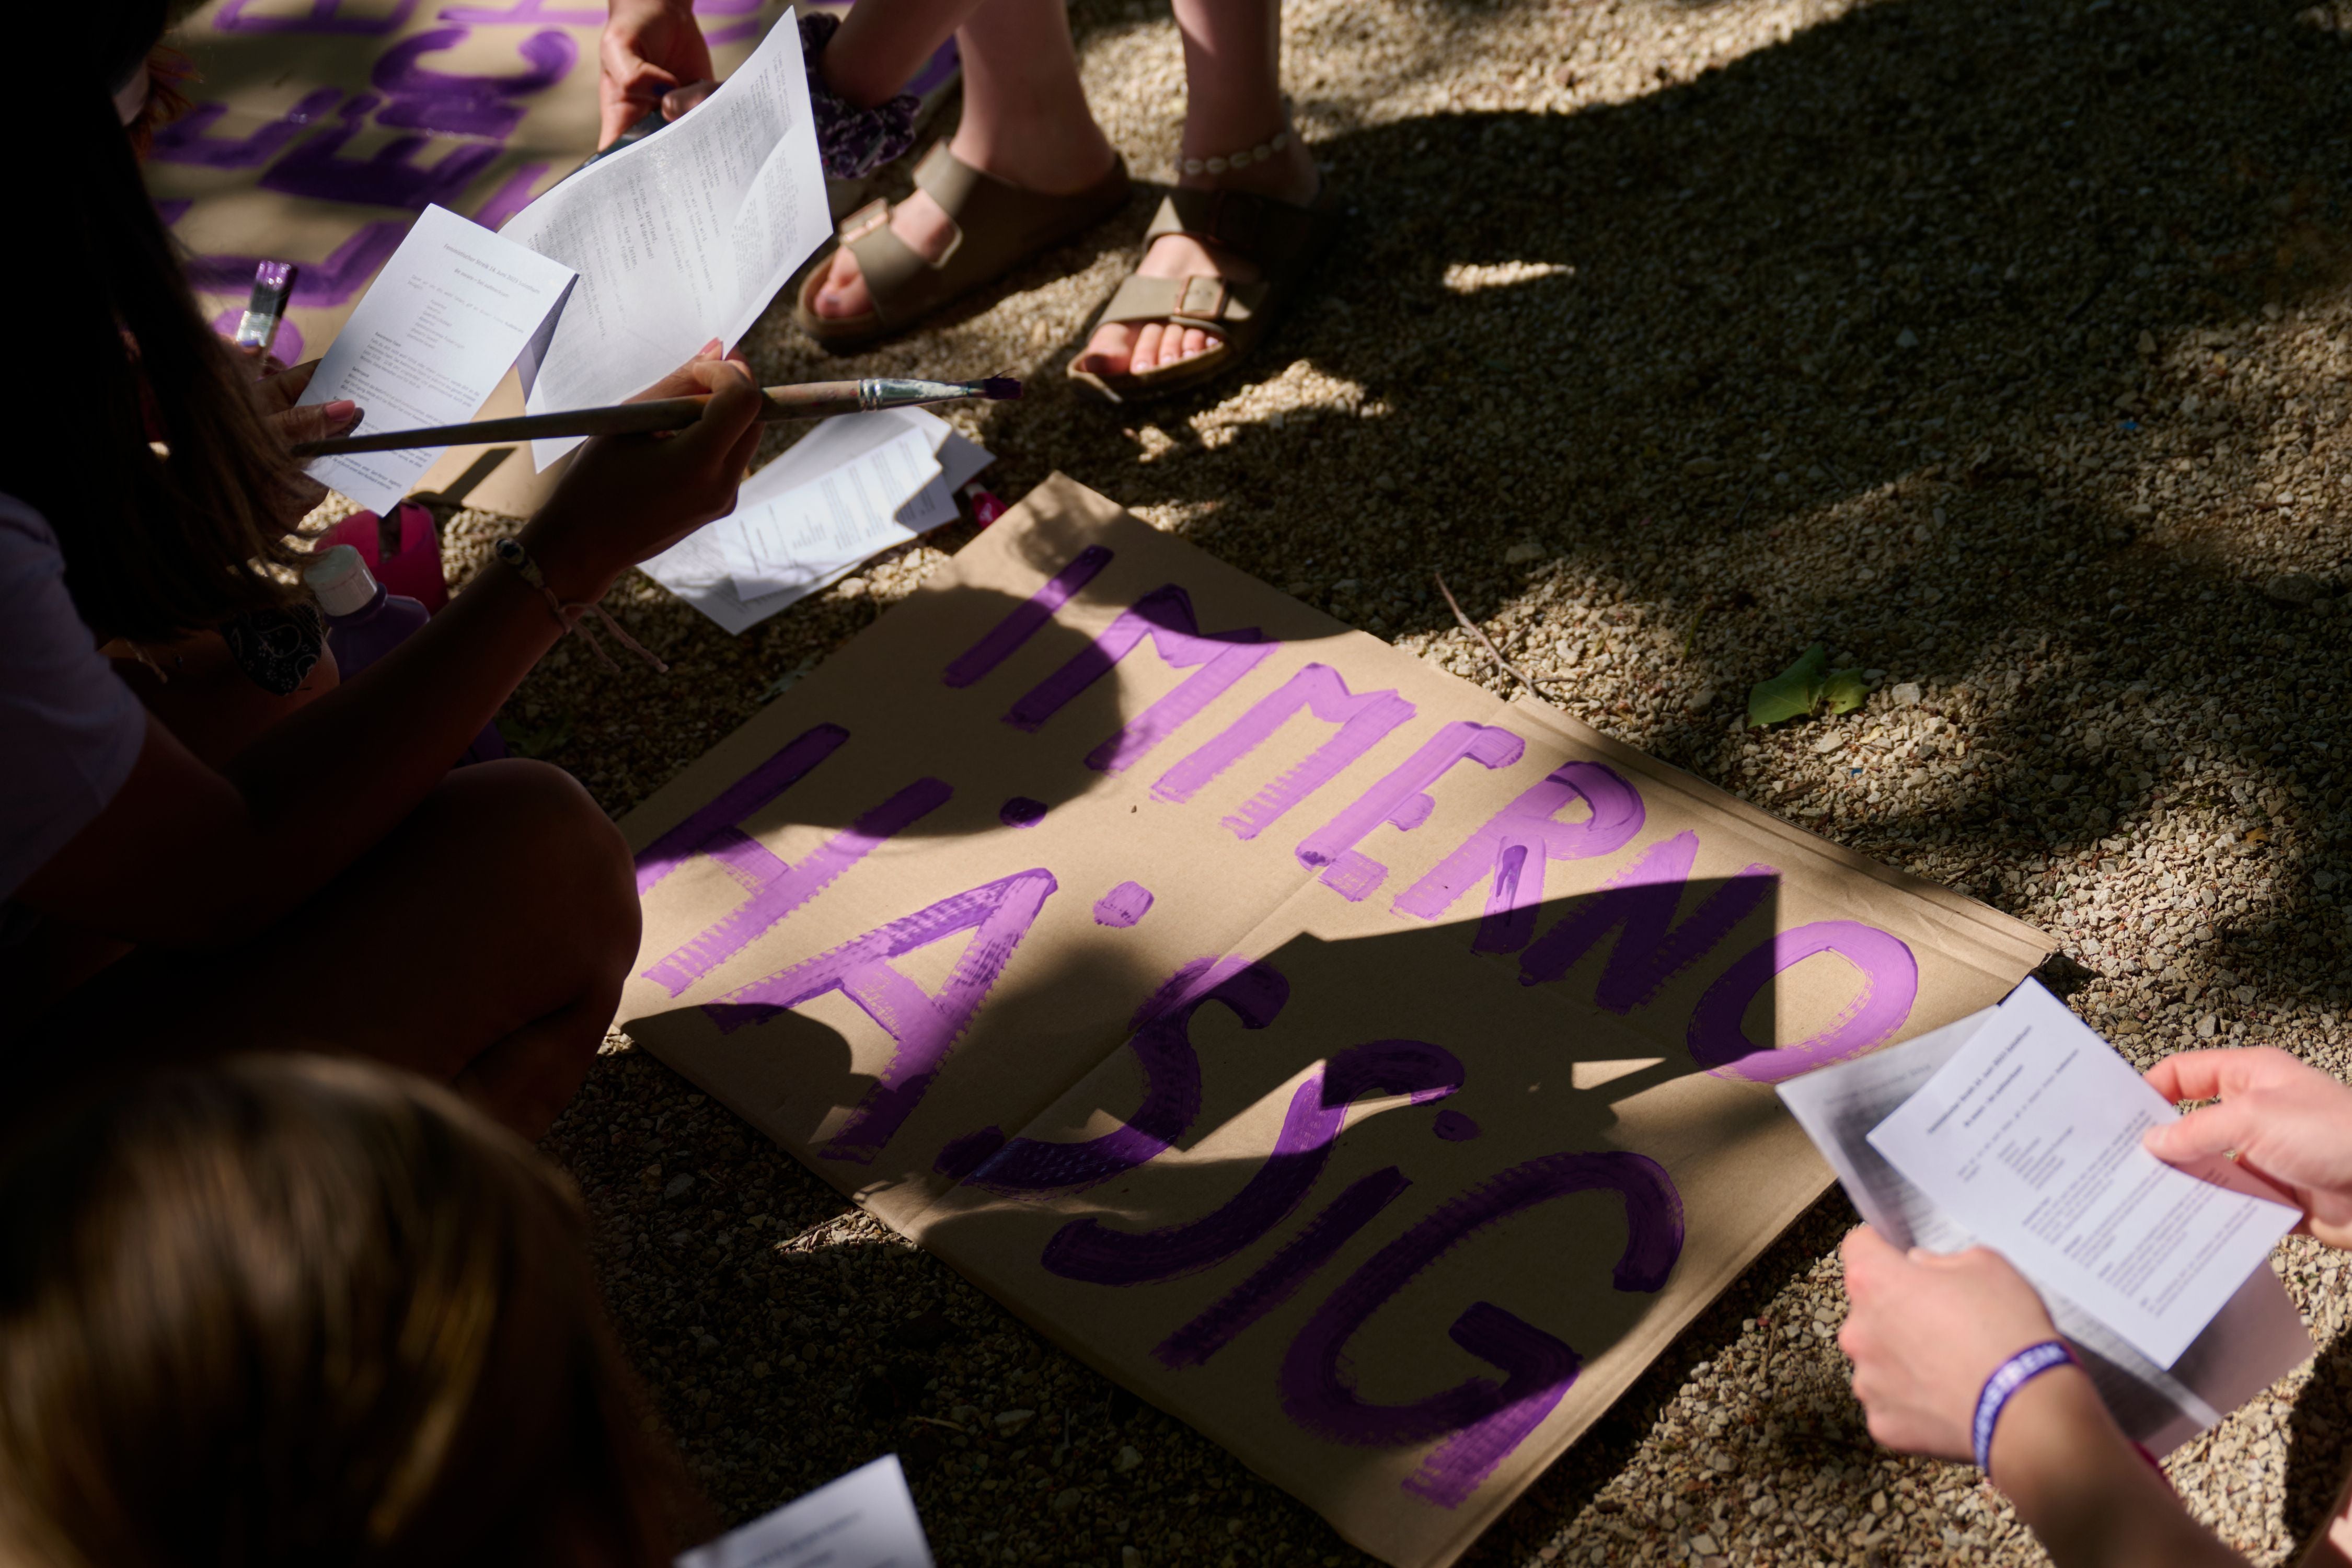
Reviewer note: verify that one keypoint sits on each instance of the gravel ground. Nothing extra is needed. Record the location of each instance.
(1999, 347)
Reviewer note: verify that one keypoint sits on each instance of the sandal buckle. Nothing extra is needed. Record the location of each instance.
(1203, 298)
(864, 221)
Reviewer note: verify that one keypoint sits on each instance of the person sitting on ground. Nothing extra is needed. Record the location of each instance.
(310, 872)
(290, 1310)
(1926, 1332)
(1027, 169)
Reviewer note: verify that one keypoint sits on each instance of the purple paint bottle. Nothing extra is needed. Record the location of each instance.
(364, 623)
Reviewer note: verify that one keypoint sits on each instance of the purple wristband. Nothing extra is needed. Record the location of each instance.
(2005, 1380)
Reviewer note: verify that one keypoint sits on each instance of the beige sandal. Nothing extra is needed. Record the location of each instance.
(997, 227)
(1284, 239)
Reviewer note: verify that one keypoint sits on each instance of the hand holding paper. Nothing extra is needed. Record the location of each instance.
(2287, 1123)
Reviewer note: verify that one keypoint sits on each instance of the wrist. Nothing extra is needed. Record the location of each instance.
(572, 571)
(2048, 1428)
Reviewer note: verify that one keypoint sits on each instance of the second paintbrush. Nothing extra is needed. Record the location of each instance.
(812, 400)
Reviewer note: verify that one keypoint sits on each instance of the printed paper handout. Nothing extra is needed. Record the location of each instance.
(2255, 1339)
(2029, 1138)
(447, 318)
(1363, 1068)
(864, 1520)
(856, 485)
(680, 238)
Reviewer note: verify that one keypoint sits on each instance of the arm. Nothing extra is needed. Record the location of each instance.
(648, 49)
(1924, 1332)
(187, 857)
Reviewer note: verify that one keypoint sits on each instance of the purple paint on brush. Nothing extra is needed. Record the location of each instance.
(1162, 1045)
(1363, 720)
(1639, 906)
(1516, 841)
(1890, 984)
(1481, 1421)
(1400, 801)
(778, 893)
(1280, 1276)
(1090, 1251)
(286, 347)
(925, 1027)
(1454, 1127)
(1164, 615)
(1123, 905)
(1000, 641)
(711, 829)
(1021, 812)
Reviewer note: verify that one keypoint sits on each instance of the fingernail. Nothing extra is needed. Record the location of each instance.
(341, 408)
(708, 351)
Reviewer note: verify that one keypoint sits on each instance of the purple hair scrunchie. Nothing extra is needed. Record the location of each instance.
(851, 143)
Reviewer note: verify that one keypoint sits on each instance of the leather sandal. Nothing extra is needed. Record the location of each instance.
(1284, 240)
(997, 227)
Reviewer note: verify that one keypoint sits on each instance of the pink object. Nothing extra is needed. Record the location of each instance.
(985, 508)
(413, 570)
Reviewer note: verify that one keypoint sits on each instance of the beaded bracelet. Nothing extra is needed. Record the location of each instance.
(2005, 1380)
(572, 617)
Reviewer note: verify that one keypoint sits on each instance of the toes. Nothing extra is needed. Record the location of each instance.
(1196, 342)
(1146, 346)
(843, 293)
(1110, 351)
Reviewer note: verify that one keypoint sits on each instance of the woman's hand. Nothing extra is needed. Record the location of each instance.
(277, 391)
(2288, 1123)
(625, 497)
(649, 48)
(1924, 1332)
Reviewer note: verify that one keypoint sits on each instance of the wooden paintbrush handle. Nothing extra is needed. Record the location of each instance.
(816, 400)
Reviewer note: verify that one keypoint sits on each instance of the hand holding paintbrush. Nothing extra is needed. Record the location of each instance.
(812, 400)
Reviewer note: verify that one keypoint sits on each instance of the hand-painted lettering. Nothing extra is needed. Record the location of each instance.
(925, 1027)
(323, 16)
(389, 178)
(1362, 718)
(344, 272)
(1638, 907)
(711, 829)
(1090, 1251)
(186, 141)
(466, 105)
(1123, 905)
(1516, 841)
(1001, 640)
(1401, 800)
(1482, 1421)
(1890, 983)
(1217, 659)
(1162, 1045)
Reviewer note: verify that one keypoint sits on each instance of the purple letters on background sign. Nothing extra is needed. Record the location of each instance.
(925, 1027)
(343, 274)
(1516, 841)
(711, 829)
(1890, 983)
(1400, 801)
(1171, 1081)
(1639, 905)
(1001, 640)
(184, 141)
(1363, 720)
(1021, 812)
(1165, 616)
(1090, 1251)
(1123, 905)
(512, 196)
(425, 100)
(1481, 1421)
(389, 179)
(323, 16)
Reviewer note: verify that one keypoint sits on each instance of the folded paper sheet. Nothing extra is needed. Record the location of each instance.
(1369, 1071)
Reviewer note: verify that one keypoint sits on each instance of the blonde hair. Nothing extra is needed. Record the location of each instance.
(309, 1310)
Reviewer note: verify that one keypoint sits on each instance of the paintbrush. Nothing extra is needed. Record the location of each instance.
(812, 400)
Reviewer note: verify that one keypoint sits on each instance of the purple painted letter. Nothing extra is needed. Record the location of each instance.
(1639, 905)
(1362, 721)
(1516, 841)
(998, 643)
(1401, 800)
(1890, 983)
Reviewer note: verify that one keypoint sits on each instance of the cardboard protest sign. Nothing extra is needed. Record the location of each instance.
(1366, 1070)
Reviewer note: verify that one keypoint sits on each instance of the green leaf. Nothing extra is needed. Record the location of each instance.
(1844, 690)
(1791, 693)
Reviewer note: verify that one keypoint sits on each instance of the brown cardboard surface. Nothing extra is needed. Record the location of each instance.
(1340, 1151)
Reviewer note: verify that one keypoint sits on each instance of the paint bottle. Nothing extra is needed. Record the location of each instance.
(364, 623)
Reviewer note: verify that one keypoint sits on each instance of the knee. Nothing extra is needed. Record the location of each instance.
(571, 875)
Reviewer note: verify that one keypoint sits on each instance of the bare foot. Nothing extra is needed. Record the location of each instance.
(926, 228)
(1121, 348)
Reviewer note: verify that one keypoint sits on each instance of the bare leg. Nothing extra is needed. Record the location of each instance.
(1025, 119)
(482, 943)
(1233, 84)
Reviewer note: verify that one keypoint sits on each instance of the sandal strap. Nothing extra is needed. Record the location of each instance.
(1208, 302)
(1265, 230)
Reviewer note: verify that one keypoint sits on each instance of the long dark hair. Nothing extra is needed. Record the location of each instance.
(290, 1310)
(112, 353)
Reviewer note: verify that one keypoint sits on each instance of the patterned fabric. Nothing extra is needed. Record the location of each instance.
(276, 648)
(851, 143)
